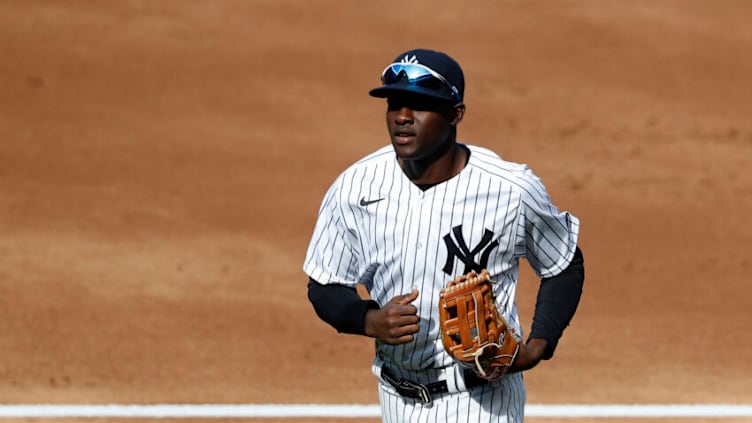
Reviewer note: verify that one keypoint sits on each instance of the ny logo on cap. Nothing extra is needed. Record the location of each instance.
(408, 59)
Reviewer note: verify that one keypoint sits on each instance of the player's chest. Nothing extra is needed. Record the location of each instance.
(463, 219)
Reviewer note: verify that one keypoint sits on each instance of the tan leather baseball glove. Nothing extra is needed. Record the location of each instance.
(473, 331)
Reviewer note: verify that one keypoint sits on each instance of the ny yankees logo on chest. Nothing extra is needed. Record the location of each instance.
(475, 258)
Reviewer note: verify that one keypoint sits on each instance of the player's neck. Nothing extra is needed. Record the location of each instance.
(438, 169)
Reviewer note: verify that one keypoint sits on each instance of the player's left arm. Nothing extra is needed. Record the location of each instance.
(548, 240)
(556, 304)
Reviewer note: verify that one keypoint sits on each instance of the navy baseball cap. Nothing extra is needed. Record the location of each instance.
(425, 72)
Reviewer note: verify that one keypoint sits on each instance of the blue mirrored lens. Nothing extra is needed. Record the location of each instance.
(417, 75)
(413, 73)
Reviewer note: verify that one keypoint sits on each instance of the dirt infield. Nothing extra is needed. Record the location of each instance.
(162, 163)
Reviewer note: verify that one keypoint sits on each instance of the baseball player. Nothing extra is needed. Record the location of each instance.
(419, 212)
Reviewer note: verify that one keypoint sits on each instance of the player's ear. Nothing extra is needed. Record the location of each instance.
(458, 113)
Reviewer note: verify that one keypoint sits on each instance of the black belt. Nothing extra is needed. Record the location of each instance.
(422, 392)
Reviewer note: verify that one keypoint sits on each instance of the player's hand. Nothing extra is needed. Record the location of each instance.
(395, 322)
(529, 355)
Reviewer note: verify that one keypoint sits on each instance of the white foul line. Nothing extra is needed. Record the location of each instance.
(640, 410)
(355, 411)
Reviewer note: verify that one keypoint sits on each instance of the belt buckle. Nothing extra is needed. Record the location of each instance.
(423, 395)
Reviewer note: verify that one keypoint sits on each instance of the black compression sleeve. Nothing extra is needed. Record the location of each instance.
(340, 306)
(558, 298)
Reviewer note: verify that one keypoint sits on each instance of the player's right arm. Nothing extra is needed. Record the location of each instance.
(396, 322)
(332, 265)
(341, 307)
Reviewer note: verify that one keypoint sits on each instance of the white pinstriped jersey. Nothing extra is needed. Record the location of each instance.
(377, 228)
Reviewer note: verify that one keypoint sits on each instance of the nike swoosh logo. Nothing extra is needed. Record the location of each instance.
(364, 202)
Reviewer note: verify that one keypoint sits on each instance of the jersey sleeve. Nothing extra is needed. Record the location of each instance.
(546, 237)
(332, 256)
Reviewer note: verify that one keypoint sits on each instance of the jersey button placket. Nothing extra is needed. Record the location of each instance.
(414, 263)
(421, 219)
(419, 223)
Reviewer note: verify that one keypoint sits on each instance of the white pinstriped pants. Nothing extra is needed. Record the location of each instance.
(502, 402)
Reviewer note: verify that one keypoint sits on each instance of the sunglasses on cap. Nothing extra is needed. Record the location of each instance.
(421, 76)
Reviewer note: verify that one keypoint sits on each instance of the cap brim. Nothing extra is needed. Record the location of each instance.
(392, 89)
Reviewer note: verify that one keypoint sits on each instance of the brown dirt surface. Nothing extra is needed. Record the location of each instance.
(162, 163)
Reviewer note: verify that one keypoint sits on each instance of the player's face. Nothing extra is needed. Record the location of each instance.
(420, 128)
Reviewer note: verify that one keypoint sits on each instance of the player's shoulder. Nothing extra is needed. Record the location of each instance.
(518, 176)
(382, 158)
(487, 160)
(382, 155)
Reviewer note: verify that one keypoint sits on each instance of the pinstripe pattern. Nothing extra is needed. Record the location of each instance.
(502, 402)
(491, 214)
